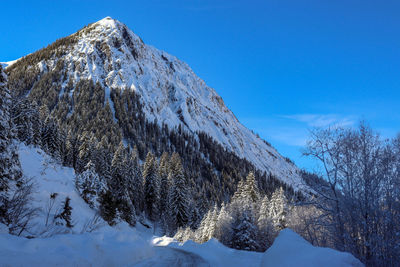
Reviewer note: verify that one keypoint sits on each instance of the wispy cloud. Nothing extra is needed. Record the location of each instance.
(290, 136)
(323, 120)
(293, 130)
(290, 133)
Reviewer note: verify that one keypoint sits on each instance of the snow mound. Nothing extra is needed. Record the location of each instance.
(290, 249)
(113, 247)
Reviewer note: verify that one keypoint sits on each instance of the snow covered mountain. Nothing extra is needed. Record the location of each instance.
(111, 54)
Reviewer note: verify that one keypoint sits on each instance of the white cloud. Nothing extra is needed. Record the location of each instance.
(293, 130)
(290, 136)
(323, 120)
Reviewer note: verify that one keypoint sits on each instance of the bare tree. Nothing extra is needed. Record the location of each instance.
(359, 197)
(20, 212)
(93, 224)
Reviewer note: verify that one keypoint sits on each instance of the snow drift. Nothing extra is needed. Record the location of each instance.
(289, 249)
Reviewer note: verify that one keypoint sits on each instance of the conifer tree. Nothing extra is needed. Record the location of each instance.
(119, 185)
(239, 191)
(44, 112)
(163, 171)
(89, 184)
(65, 215)
(179, 197)
(222, 229)
(118, 171)
(203, 233)
(278, 209)
(72, 150)
(86, 150)
(50, 138)
(10, 169)
(103, 158)
(264, 223)
(151, 187)
(108, 207)
(245, 232)
(135, 180)
(22, 115)
(37, 124)
(251, 189)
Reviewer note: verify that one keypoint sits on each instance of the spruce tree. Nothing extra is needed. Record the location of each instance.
(86, 150)
(50, 138)
(222, 229)
(179, 197)
(251, 189)
(245, 232)
(163, 171)
(65, 215)
(22, 115)
(264, 223)
(203, 232)
(135, 180)
(278, 209)
(119, 185)
(151, 187)
(103, 158)
(239, 193)
(72, 150)
(108, 207)
(118, 171)
(89, 184)
(10, 169)
(37, 124)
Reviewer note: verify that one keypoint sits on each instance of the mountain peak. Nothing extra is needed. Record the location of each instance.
(110, 28)
(108, 22)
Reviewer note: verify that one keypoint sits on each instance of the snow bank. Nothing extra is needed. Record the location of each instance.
(115, 247)
(290, 249)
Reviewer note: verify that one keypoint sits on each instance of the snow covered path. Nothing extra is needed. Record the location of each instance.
(165, 256)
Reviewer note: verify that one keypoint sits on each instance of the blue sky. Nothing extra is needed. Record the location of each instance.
(281, 66)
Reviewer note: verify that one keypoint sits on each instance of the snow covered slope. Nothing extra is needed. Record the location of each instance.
(110, 53)
(8, 63)
(50, 177)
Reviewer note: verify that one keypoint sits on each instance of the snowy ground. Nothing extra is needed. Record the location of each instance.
(122, 245)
